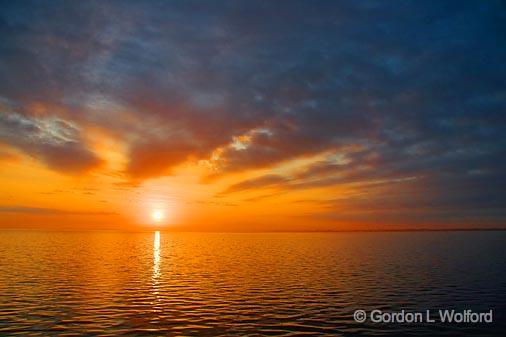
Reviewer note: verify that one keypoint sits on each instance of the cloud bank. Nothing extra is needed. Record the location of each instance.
(406, 92)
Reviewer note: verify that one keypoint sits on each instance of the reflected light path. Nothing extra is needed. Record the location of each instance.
(156, 272)
(156, 256)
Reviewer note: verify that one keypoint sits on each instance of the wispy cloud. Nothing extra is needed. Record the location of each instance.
(47, 211)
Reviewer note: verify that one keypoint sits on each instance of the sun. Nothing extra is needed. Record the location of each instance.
(157, 215)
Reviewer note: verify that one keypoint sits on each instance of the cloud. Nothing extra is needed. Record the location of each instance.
(396, 190)
(47, 211)
(54, 141)
(265, 181)
(187, 81)
(7, 153)
(153, 159)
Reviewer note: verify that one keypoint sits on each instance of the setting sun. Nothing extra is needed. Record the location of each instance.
(157, 215)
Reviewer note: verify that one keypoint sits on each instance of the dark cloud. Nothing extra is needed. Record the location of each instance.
(53, 141)
(418, 87)
(397, 189)
(151, 159)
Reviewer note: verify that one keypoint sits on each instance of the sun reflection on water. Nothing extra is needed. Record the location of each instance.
(156, 273)
(156, 256)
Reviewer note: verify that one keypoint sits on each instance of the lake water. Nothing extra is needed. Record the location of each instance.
(209, 284)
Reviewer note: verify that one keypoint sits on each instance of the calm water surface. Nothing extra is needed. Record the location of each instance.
(167, 284)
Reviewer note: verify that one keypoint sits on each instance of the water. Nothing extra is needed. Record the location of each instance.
(172, 284)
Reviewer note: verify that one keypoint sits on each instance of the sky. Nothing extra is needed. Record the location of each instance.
(253, 115)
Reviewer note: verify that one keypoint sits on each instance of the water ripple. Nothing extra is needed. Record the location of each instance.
(152, 284)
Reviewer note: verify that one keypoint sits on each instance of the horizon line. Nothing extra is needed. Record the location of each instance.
(491, 229)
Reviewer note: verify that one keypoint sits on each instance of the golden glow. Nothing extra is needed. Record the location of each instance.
(156, 256)
(157, 215)
(190, 199)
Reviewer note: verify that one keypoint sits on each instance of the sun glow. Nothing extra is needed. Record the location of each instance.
(157, 215)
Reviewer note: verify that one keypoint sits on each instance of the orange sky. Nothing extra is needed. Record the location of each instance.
(105, 197)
